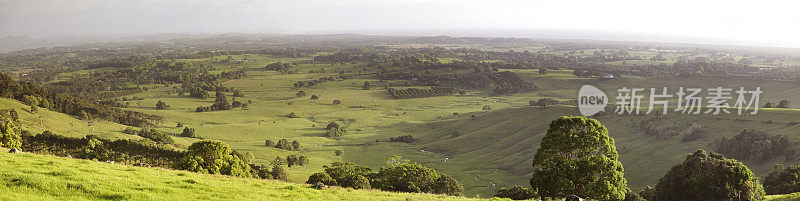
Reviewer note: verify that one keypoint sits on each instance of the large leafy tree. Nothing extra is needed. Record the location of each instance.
(405, 176)
(783, 180)
(577, 157)
(215, 157)
(708, 176)
(8, 137)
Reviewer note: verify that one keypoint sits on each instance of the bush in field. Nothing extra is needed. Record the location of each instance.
(8, 137)
(405, 138)
(322, 177)
(783, 180)
(335, 132)
(286, 145)
(161, 105)
(300, 94)
(708, 176)
(366, 85)
(269, 143)
(516, 193)
(543, 71)
(446, 184)
(337, 102)
(293, 115)
(279, 173)
(405, 176)
(577, 157)
(754, 145)
(768, 105)
(296, 160)
(214, 157)
(784, 104)
(343, 171)
(156, 136)
(356, 182)
(188, 132)
(695, 132)
(314, 97)
(94, 149)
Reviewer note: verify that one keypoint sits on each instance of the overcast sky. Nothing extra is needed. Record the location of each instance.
(763, 22)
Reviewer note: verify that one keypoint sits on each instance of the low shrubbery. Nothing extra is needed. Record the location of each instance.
(708, 176)
(401, 176)
(783, 180)
(120, 151)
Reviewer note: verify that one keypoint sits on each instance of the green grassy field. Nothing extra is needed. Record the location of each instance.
(36, 177)
(494, 150)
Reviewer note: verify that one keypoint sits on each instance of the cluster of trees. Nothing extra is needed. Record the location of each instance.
(400, 176)
(294, 160)
(649, 128)
(311, 83)
(334, 130)
(9, 137)
(213, 157)
(545, 102)
(510, 83)
(41, 97)
(161, 105)
(503, 82)
(782, 104)
(124, 151)
(707, 176)
(280, 66)
(188, 132)
(755, 145)
(156, 136)
(404, 138)
(695, 132)
(420, 93)
(283, 144)
(578, 158)
(221, 103)
(782, 180)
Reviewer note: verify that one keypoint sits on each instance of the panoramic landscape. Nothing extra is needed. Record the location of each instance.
(216, 113)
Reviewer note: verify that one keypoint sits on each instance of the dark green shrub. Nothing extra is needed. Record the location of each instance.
(188, 132)
(783, 180)
(708, 176)
(516, 193)
(156, 136)
(322, 177)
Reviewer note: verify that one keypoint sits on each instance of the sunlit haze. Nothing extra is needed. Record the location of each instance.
(768, 23)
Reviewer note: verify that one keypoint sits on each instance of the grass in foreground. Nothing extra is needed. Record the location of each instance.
(29, 176)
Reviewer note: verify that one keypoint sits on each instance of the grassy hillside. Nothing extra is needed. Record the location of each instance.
(493, 150)
(36, 177)
(498, 146)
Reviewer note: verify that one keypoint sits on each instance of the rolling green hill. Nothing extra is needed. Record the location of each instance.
(29, 176)
(498, 146)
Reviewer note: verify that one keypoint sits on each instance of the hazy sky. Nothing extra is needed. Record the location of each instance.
(763, 22)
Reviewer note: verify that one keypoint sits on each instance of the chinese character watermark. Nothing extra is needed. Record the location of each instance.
(715, 101)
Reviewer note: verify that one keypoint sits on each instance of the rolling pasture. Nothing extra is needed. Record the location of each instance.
(493, 149)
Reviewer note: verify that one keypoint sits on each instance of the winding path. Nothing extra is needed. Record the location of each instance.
(493, 185)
